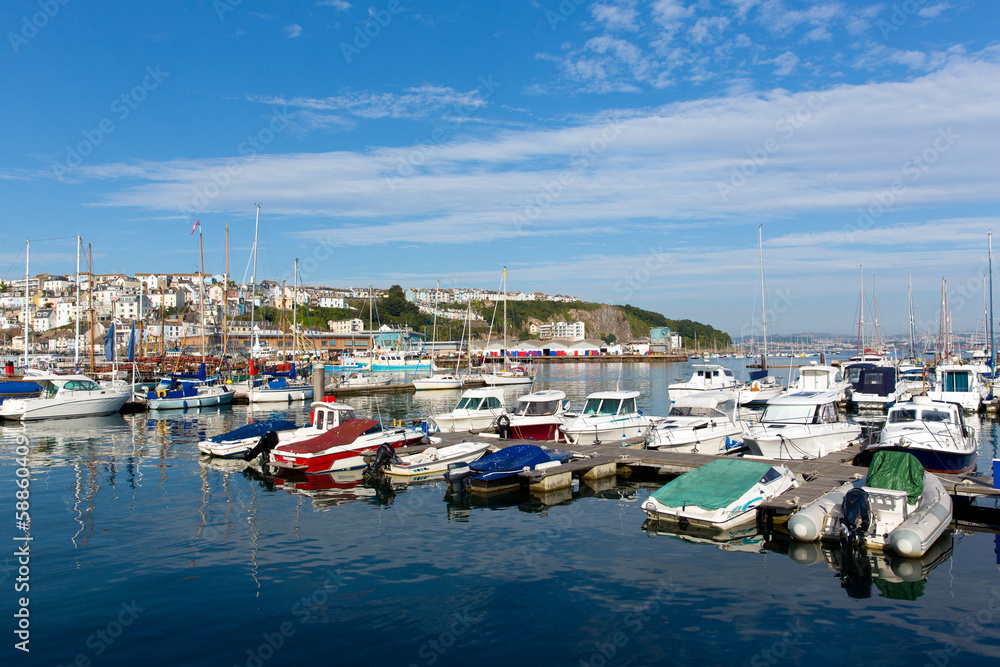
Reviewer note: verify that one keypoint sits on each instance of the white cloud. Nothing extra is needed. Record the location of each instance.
(933, 10)
(293, 30)
(785, 63)
(620, 16)
(416, 102)
(339, 5)
(820, 34)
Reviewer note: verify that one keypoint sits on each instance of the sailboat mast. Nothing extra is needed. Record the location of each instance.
(225, 301)
(201, 294)
(76, 341)
(253, 284)
(90, 300)
(861, 310)
(763, 309)
(295, 308)
(878, 333)
(989, 236)
(27, 270)
(909, 300)
(505, 316)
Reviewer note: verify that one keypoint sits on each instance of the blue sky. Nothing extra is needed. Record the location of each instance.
(623, 151)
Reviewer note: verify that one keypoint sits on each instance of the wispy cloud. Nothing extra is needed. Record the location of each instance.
(416, 102)
(293, 30)
(339, 5)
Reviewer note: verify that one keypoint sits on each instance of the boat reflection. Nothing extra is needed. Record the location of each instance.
(337, 488)
(895, 577)
(738, 538)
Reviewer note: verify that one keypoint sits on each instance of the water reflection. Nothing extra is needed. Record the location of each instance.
(738, 538)
(895, 577)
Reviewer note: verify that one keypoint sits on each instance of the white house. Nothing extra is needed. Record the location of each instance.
(332, 302)
(44, 320)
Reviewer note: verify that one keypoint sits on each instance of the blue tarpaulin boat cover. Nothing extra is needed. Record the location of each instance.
(712, 486)
(511, 458)
(255, 430)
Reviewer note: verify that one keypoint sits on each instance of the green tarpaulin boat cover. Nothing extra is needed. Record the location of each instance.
(712, 486)
(900, 471)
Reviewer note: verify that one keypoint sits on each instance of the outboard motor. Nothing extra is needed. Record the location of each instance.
(267, 442)
(856, 517)
(384, 455)
(457, 475)
(503, 427)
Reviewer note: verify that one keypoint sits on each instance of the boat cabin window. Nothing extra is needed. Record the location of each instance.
(491, 403)
(956, 381)
(628, 406)
(826, 414)
(531, 408)
(601, 406)
(377, 428)
(468, 403)
(770, 476)
(728, 373)
(789, 414)
(81, 385)
(935, 416)
(902, 415)
(695, 411)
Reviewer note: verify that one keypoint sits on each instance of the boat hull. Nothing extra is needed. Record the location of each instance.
(197, 401)
(33, 409)
(629, 432)
(800, 443)
(285, 395)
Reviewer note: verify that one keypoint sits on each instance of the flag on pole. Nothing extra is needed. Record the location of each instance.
(197, 222)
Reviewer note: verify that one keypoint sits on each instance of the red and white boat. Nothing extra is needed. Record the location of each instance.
(537, 416)
(336, 440)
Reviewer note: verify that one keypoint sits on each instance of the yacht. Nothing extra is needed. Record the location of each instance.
(706, 377)
(959, 384)
(706, 424)
(438, 381)
(933, 431)
(476, 411)
(608, 417)
(816, 377)
(537, 416)
(878, 388)
(804, 425)
(64, 396)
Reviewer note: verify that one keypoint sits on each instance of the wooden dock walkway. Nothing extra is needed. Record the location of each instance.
(820, 475)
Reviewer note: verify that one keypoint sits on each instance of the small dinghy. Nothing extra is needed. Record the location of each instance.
(239, 441)
(720, 494)
(435, 460)
(897, 506)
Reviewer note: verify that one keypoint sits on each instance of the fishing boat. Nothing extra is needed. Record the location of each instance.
(897, 506)
(434, 460)
(438, 381)
(238, 441)
(706, 424)
(706, 377)
(537, 416)
(608, 417)
(878, 389)
(933, 431)
(800, 426)
(720, 494)
(476, 411)
(64, 396)
(816, 377)
(960, 384)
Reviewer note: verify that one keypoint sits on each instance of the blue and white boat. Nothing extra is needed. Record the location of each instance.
(878, 388)
(499, 470)
(239, 441)
(933, 431)
(177, 392)
(281, 388)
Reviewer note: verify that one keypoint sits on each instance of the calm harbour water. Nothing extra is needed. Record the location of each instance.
(143, 553)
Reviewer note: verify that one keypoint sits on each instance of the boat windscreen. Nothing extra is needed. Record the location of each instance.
(788, 414)
(695, 411)
(533, 408)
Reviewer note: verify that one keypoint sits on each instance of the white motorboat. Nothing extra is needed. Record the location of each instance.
(933, 431)
(706, 424)
(804, 425)
(509, 375)
(878, 389)
(239, 441)
(358, 379)
(960, 384)
(64, 396)
(608, 417)
(537, 416)
(897, 506)
(816, 377)
(915, 380)
(435, 460)
(476, 411)
(720, 494)
(175, 394)
(280, 390)
(706, 377)
(438, 381)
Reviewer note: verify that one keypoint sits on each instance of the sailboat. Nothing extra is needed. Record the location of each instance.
(282, 387)
(366, 378)
(509, 374)
(437, 380)
(191, 391)
(762, 387)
